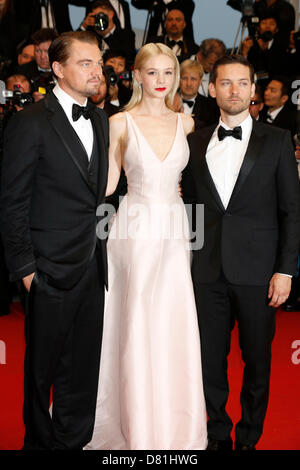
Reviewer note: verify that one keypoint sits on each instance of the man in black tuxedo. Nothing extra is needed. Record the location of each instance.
(54, 176)
(203, 110)
(175, 24)
(244, 172)
(122, 12)
(158, 10)
(113, 37)
(278, 111)
(37, 14)
(268, 54)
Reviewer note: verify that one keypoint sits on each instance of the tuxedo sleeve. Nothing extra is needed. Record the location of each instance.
(288, 190)
(20, 159)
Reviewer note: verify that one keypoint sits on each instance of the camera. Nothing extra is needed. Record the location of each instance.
(113, 78)
(15, 97)
(101, 21)
(110, 75)
(266, 36)
(43, 83)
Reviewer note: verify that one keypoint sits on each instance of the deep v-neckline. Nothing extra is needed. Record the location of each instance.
(154, 154)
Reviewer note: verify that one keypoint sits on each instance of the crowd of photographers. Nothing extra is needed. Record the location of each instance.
(272, 45)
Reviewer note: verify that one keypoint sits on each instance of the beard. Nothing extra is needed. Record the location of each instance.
(233, 108)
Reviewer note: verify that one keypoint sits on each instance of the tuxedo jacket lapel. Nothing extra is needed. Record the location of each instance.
(99, 135)
(69, 138)
(252, 153)
(204, 170)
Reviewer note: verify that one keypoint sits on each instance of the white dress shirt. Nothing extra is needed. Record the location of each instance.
(273, 114)
(47, 16)
(189, 109)
(203, 88)
(120, 12)
(83, 127)
(224, 158)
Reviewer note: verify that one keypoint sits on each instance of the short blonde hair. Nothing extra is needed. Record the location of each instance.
(189, 64)
(145, 53)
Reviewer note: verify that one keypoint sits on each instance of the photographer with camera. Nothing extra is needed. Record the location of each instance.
(38, 71)
(119, 77)
(101, 20)
(158, 11)
(265, 50)
(282, 10)
(102, 99)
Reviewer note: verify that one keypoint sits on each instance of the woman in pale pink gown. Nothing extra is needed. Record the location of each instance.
(150, 393)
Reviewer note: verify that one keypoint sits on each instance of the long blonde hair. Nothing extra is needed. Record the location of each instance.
(145, 53)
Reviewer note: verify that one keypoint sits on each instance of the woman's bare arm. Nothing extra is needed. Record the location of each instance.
(117, 132)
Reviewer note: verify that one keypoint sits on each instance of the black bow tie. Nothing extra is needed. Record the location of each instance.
(189, 103)
(78, 111)
(236, 132)
(172, 43)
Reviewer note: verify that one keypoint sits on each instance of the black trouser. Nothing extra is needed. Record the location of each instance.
(219, 304)
(63, 330)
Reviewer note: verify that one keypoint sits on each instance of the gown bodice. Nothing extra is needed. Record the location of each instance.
(147, 175)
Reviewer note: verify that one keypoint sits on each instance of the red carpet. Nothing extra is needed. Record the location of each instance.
(282, 423)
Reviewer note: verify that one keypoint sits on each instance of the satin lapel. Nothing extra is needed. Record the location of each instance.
(252, 154)
(68, 136)
(103, 162)
(204, 170)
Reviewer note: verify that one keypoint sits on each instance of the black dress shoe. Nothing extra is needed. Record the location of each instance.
(215, 444)
(239, 446)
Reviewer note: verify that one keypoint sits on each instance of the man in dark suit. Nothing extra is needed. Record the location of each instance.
(244, 172)
(37, 14)
(175, 24)
(158, 11)
(122, 12)
(112, 37)
(268, 54)
(38, 71)
(278, 111)
(203, 110)
(54, 175)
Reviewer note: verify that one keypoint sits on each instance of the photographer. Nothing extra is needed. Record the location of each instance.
(20, 85)
(120, 80)
(282, 10)
(159, 10)
(101, 20)
(122, 13)
(38, 71)
(266, 52)
(25, 53)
